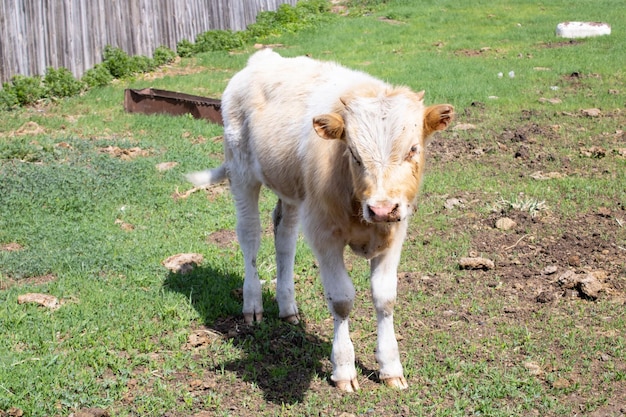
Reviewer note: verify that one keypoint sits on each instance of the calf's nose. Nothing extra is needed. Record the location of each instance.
(383, 212)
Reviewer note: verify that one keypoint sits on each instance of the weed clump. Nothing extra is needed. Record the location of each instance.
(286, 19)
(97, 76)
(59, 83)
(22, 91)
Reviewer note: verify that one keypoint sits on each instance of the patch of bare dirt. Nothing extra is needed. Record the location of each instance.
(11, 247)
(6, 283)
(474, 52)
(561, 44)
(29, 128)
(125, 154)
(173, 69)
(540, 249)
(223, 238)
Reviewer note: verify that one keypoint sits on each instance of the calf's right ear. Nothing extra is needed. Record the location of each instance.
(329, 126)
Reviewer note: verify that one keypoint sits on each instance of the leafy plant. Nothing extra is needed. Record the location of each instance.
(117, 62)
(97, 76)
(163, 55)
(8, 98)
(184, 48)
(218, 40)
(26, 90)
(141, 63)
(288, 19)
(61, 83)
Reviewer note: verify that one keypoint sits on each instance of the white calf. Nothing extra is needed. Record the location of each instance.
(345, 153)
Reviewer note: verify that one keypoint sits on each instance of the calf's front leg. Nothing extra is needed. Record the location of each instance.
(384, 282)
(340, 294)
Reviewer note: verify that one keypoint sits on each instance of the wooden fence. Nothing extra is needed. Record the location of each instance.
(36, 34)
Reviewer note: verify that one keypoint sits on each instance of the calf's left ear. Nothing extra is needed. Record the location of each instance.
(437, 117)
(329, 126)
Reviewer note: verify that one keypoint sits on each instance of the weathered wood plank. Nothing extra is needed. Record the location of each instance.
(36, 34)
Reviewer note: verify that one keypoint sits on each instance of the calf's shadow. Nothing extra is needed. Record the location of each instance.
(280, 358)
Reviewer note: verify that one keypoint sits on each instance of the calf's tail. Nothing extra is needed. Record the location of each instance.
(208, 176)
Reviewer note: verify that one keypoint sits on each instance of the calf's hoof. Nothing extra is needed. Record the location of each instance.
(293, 319)
(398, 382)
(250, 318)
(348, 386)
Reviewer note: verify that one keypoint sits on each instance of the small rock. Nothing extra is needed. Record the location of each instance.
(183, 262)
(573, 260)
(451, 203)
(568, 280)
(592, 112)
(533, 368)
(590, 287)
(505, 224)
(476, 263)
(44, 300)
(550, 269)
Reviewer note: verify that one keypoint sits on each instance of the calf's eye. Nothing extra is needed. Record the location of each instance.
(354, 158)
(412, 152)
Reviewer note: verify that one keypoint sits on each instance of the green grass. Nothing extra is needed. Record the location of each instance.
(120, 339)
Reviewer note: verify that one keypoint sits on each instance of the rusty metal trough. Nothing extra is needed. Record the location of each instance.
(153, 101)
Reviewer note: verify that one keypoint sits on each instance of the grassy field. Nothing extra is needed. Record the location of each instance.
(88, 215)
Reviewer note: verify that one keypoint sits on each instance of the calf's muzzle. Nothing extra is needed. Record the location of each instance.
(383, 212)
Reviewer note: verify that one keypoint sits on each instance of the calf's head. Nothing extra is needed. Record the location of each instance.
(385, 133)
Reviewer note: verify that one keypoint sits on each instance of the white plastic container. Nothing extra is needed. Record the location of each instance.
(582, 29)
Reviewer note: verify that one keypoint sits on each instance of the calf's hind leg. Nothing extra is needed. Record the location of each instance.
(285, 219)
(246, 196)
